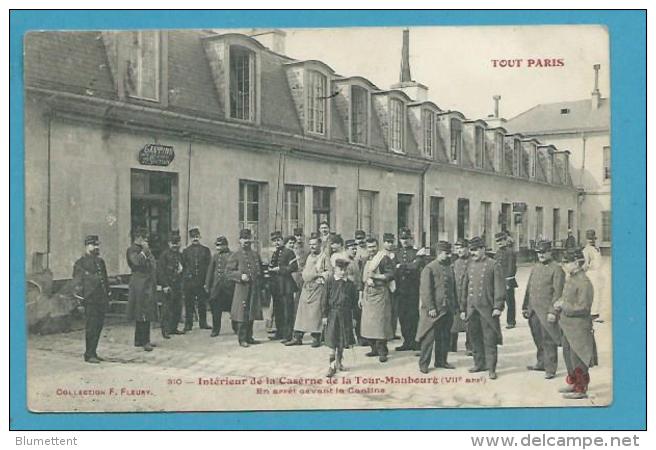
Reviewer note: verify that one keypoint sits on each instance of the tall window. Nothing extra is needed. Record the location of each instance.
(404, 211)
(321, 207)
(396, 125)
(242, 98)
(570, 219)
(606, 173)
(556, 225)
(479, 145)
(517, 154)
(142, 70)
(456, 140)
(539, 223)
(366, 211)
(317, 96)
(605, 226)
(359, 115)
(428, 127)
(525, 163)
(533, 156)
(498, 145)
(249, 207)
(463, 218)
(486, 223)
(437, 228)
(294, 208)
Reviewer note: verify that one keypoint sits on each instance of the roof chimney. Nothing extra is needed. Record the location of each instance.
(413, 89)
(273, 39)
(496, 99)
(405, 58)
(596, 95)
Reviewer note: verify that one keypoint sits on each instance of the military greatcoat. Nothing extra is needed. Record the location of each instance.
(221, 288)
(437, 292)
(484, 290)
(246, 304)
(459, 271)
(575, 319)
(544, 288)
(142, 305)
(90, 282)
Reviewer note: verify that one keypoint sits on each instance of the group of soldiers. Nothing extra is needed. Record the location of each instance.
(353, 291)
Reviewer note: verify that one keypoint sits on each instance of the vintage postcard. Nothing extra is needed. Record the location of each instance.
(318, 219)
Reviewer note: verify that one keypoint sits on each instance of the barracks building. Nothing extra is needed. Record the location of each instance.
(175, 129)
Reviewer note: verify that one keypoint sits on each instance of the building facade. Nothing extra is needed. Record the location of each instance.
(174, 129)
(583, 129)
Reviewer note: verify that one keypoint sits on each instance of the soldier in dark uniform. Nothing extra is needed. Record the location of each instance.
(91, 287)
(217, 284)
(438, 306)
(283, 287)
(575, 319)
(460, 263)
(481, 305)
(245, 269)
(544, 288)
(169, 276)
(142, 305)
(507, 259)
(408, 268)
(195, 260)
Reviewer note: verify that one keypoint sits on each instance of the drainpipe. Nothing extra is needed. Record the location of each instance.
(188, 193)
(48, 194)
(422, 190)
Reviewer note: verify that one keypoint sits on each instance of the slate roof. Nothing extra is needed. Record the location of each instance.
(549, 118)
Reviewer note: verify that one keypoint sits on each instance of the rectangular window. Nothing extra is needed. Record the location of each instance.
(498, 145)
(606, 174)
(533, 160)
(517, 155)
(556, 225)
(570, 219)
(463, 218)
(396, 125)
(153, 203)
(317, 96)
(249, 207)
(456, 141)
(479, 146)
(605, 226)
(429, 131)
(404, 211)
(293, 209)
(504, 217)
(142, 70)
(437, 229)
(486, 223)
(242, 64)
(367, 211)
(359, 115)
(525, 163)
(321, 205)
(539, 223)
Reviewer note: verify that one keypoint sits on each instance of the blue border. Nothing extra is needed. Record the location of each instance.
(628, 76)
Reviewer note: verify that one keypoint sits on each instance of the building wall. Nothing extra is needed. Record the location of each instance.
(588, 174)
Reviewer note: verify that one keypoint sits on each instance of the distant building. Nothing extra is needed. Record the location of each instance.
(181, 128)
(583, 129)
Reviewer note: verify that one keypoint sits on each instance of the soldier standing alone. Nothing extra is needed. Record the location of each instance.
(507, 259)
(408, 269)
(544, 288)
(91, 286)
(438, 306)
(196, 258)
(218, 285)
(169, 275)
(481, 305)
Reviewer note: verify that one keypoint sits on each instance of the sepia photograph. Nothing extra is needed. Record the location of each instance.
(344, 218)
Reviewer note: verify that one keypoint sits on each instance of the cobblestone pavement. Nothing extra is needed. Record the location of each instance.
(194, 372)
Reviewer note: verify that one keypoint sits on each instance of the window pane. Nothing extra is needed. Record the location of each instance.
(142, 65)
(316, 101)
(359, 120)
(396, 125)
(241, 83)
(456, 139)
(428, 126)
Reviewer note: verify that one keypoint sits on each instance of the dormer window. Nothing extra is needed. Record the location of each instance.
(142, 77)
(359, 115)
(317, 96)
(397, 119)
(242, 83)
(429, 131)
(456, 141)
(479, 145)
(517, 154)
(498, 144)
(533, 160)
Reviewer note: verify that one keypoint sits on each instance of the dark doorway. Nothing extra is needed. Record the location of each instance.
(403, 212)
(436, 221)
(151, 205)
